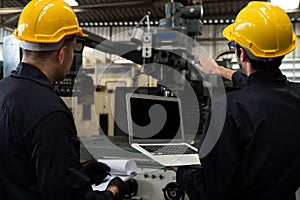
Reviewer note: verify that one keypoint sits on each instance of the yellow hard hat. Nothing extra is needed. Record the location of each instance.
(264, 29)
(47, 21)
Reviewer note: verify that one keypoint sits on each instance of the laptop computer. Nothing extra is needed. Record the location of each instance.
(155, 129)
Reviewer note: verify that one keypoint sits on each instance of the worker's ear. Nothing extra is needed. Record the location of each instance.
(243, 55)
(61, 54)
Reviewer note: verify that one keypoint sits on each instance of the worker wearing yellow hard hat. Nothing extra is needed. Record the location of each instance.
(40, 151)
(255, 154)
(46, 22)
(263, 29)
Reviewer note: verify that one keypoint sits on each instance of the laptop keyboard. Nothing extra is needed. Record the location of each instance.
(169, 149)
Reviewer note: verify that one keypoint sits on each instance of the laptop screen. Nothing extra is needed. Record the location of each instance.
(154, 118)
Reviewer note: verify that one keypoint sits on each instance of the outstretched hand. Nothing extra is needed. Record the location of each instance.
(206, 65)
(209, 67)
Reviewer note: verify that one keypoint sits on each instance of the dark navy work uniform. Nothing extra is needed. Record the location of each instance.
(39, 148)
(257, 156)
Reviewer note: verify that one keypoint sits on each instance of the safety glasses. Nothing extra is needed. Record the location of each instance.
(233, 46)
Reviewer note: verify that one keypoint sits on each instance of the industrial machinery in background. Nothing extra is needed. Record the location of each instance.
(158, 45)
(167, 43)
(165, 52)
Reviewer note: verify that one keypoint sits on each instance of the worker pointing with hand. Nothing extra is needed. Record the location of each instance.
(255, 155)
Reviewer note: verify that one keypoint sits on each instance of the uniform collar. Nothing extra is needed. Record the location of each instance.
(266, 76)
(30, 72)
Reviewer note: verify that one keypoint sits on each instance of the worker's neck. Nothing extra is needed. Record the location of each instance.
(45, 67)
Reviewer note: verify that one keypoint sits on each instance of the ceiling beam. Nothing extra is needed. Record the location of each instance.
(15, 17)
(8, 11)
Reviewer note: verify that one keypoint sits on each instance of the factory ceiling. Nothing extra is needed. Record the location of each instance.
(116, 12)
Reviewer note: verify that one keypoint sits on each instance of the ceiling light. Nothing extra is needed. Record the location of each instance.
(286, 5)
(71, 2)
